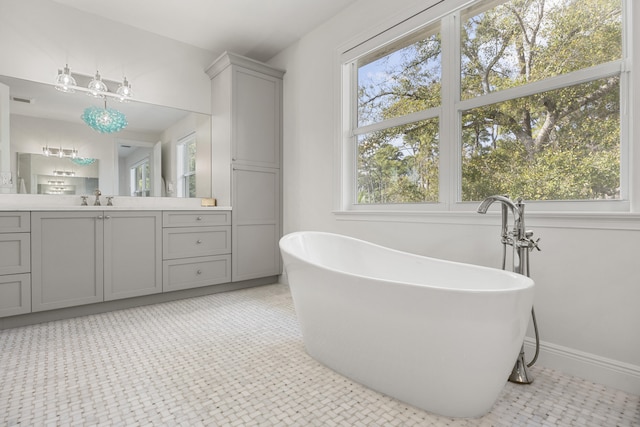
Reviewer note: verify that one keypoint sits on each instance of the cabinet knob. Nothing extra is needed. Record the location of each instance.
(100, 217)
(107, 217)
(199, 218)
(199, 272)
(199, 241)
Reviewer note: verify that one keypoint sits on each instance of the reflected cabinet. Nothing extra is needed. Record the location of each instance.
(15, 263)
(246, 160)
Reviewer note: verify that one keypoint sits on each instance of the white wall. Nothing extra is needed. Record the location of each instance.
(37, 37)
(587, 281)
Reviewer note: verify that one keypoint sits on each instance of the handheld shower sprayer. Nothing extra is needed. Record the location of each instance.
(521, 240)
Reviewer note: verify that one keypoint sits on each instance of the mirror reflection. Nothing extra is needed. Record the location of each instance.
(42, 174)
(162, 152)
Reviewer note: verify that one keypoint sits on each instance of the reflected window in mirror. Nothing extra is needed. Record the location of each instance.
(141, 179)
(187, 167)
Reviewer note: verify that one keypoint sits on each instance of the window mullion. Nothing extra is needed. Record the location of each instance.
(398, 121)
(608, 69)
(449, 160)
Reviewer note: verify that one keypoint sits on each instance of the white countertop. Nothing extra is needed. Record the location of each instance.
(29, 202)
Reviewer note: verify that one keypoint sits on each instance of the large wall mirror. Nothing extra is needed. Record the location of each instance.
(48, 149)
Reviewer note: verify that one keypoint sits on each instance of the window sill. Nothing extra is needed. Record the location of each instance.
(567, 220)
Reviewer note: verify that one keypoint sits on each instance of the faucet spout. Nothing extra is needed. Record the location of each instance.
(484, 206)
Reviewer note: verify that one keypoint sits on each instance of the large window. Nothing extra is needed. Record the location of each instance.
(519, 97)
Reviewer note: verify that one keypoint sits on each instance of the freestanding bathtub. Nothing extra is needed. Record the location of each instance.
(439, 335)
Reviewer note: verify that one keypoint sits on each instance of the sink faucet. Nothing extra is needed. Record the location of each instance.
(98, 193)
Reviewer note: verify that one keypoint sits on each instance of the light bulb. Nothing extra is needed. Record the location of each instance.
(65, 80)
(97, 86)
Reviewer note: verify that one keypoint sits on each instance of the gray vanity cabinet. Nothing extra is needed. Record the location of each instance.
(246, 159)
(88, 257)
(15, 263)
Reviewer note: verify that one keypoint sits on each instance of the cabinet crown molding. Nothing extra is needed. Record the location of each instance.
(227, 59)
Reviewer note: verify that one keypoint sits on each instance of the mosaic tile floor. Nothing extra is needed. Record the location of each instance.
(236, 359)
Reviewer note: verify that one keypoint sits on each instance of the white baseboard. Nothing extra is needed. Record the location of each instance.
(601, 370)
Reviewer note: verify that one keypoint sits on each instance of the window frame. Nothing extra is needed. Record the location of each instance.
(450, 113)
(143, 165)
(183, 165)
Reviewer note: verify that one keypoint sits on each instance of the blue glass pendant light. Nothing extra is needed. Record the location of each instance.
(104, 120)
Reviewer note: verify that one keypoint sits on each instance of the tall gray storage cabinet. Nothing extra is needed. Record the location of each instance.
(246, 160)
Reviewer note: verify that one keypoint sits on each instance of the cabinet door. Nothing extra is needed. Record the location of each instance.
(15, 294)
(14, 253)
(132, 254)
(256, 119)
(255, 223)
(66, 259)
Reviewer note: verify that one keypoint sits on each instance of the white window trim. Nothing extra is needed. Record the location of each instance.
(181, 161)
(134, 181)
(587, 213)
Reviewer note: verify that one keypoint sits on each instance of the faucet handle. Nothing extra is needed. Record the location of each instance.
(84, 201)
(109, 201)
(531, 244)
(535, 245)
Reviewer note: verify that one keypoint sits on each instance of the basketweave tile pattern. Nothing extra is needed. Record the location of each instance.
(236, 359)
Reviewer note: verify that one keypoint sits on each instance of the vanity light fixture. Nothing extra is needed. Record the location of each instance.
(59, 152)
(104, 120)
(96, 86)
(65, 81)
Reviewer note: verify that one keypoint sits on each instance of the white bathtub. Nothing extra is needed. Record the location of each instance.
(439, 335)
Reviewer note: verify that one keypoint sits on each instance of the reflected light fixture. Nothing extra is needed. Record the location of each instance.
(65, 80)
(57, 172)
(83, 161)
(124, 91)
(104, 120)
(59, 152)
(97, 87)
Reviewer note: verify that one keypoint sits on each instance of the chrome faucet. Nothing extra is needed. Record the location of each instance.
(519, 238)
(98, 193)
(522, 242)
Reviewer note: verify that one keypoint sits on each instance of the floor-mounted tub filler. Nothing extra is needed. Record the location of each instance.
(439, 335)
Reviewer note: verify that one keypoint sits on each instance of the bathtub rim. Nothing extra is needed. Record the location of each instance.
(522, 283)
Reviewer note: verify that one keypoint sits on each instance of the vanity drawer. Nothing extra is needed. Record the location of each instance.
(194, 242)
(195, 272)
(15, 222)
(15, 294)
(195, 218)
(15, 253)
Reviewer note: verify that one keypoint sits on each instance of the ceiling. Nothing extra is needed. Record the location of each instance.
(258, 29)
